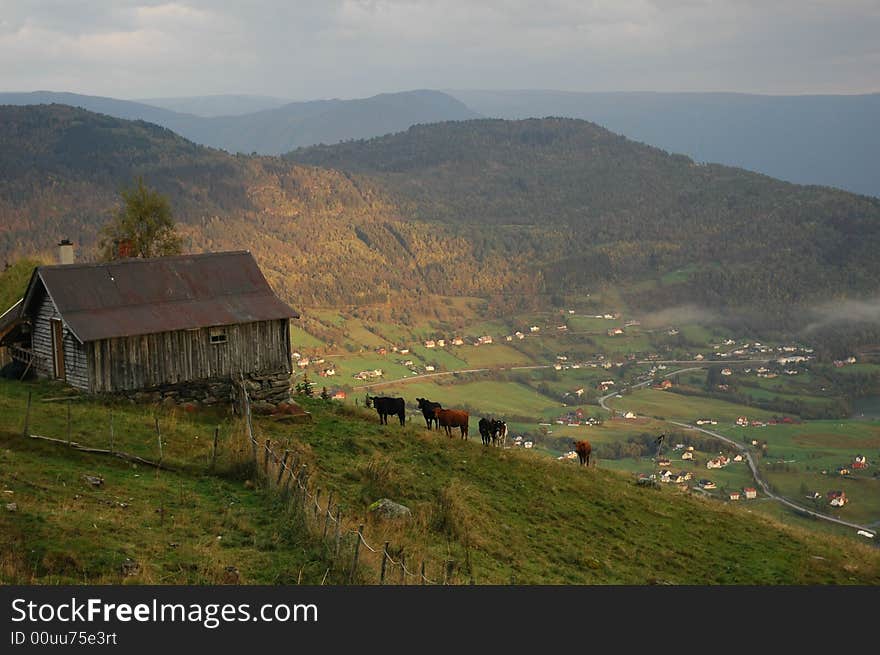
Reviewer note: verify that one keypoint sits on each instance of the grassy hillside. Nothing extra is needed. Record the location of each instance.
(589, 206)
(497, 514)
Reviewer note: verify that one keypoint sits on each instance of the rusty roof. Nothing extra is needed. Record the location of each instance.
(144, 296)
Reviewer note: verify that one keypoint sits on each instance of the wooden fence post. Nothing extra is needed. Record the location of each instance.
(447, 571)
(384, 561)
(159, 437)
(303, 483)
(111, 432)
(214, 449)
(338, 527)
(402, 568)
(27, 418)
(282, 468)
(68, 424)
(423, 572)
(266, 459)
(290, 471)
(327, 517)
(357, 547)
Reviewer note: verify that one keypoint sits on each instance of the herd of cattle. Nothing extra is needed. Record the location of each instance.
(492, 431)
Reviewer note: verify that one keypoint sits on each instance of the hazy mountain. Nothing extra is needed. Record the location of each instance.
(278, 130)
(274, 131)
(217, 105)
(127, 109)
(830, 140)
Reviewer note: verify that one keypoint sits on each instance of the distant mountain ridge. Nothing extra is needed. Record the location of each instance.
(216, 105)
(832, 140)
(279, 129)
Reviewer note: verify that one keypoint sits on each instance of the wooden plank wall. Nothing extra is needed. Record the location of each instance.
(154, 360)
(75, 361)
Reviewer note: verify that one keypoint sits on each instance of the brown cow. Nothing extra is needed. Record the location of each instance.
(583, 450)
(452, 418)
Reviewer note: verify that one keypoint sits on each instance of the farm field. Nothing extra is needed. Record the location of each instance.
(492, 355)
(652, 402)
(489, 397)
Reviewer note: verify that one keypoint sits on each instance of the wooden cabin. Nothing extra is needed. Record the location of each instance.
(138, 324)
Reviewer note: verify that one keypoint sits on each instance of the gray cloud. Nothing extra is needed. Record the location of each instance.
(349, 48)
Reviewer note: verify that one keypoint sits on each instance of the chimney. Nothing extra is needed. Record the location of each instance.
(65, 252)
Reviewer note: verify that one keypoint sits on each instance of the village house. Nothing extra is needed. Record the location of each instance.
(430, 343)
(338, 395)
(742, 421)
(836, 498)
(615, 331)
(457, 341)
(534, 328)
(518, 335)
(734, 495)
(687, 455)
(707, 484)
(187, 327)
(860, 462)
(441, 343)
(750, 493)
(665, 384)
(717, 462)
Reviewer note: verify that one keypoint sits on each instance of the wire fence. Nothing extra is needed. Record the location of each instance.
(285, 473)
(320, 519)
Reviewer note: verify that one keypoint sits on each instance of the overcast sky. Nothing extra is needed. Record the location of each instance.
(305, 49)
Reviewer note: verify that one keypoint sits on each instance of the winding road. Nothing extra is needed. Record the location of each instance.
(749, 457)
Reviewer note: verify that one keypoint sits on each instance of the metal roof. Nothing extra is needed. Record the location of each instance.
(145, 296)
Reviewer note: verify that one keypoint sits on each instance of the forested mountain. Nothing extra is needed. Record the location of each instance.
(279, 129)
(831, 140)
(515, 211)
(321, 236)
(590, 206)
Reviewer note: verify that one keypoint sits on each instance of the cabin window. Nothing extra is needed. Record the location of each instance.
(218, 335)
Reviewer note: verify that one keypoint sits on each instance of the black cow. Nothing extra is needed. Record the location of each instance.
(486, 430)
(428, 408)
(386, 406)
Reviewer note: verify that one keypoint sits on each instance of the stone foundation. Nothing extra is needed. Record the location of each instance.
(265, 391)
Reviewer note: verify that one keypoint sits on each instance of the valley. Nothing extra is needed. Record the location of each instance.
(557, 377)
